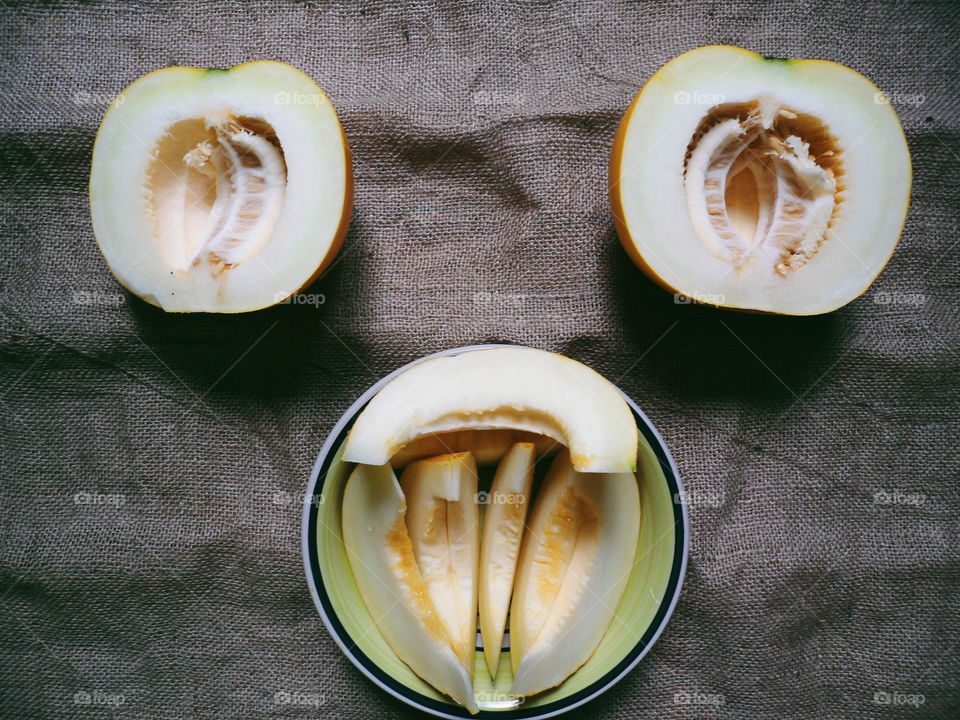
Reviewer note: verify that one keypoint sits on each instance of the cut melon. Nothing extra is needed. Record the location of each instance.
(577, 554)
(503, 523)
(220, 190)
(381, 556)
(486, 446)
(443, 523)
(504, 387)
(760, 184)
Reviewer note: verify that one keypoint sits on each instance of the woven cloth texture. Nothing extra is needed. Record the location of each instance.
(154, 464)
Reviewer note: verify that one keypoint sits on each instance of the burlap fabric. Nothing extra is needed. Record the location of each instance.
(154, 464)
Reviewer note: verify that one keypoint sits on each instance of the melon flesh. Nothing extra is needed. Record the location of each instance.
(577, 555)
(220, 190)
(444, 527)
(381, 556)
(760, 184)
(505, 387)
(486, 446)
(503, 526)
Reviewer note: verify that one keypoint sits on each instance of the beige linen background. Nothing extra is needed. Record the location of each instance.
(153, 465)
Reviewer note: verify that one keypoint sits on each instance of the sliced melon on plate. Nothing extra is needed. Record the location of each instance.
(504, 387)
(444, 527)
(577, 554)
(383, 563)
(503, 524)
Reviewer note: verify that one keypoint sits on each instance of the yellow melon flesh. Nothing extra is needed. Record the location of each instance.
(577, 554)
(383, 562)
(486, 446)
(444, 528)
(502, 387)
(503, 523)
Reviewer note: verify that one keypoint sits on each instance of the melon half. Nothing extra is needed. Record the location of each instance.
(220, 190)
(761, 184)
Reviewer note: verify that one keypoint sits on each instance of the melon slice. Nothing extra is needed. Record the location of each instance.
(381, 556)
(486, 446)
(443, 523)
(577, 555)
(504, 387)
(761, 184)
(503, 523)
(220, 190)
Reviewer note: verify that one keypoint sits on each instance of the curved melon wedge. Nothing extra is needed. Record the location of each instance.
(576, 559)
(443, 522)
(502, 387)
(503, 524)
(383, 564)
